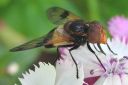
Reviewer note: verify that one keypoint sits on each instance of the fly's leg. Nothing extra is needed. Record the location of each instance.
(96, 48)
(110, 49)
(89, 47)
(101, 50)
(58, 53)
(75, 47)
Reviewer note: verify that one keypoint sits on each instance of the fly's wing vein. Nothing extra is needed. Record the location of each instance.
(59, 15)
(29, 45)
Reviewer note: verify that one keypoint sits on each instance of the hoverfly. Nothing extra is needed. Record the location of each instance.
(71, 31)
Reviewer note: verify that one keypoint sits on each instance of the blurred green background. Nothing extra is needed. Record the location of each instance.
(23, 20)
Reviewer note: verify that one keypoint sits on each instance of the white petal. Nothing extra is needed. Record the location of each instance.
(110, 80)
(124, 79)
(44, 75)
(100, 81)
(66, 73)
(116, 80)
(118, 47)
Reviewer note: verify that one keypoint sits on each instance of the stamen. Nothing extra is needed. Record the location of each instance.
(116, 66)
(126, 57)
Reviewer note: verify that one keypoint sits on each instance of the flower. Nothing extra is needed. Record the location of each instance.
(46, 74)
(118, 27)
(116, 65)
(43, 75)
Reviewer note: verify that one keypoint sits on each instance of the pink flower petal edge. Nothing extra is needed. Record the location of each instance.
(118, 28)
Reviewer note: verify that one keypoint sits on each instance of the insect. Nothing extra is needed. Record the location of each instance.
(71, 31)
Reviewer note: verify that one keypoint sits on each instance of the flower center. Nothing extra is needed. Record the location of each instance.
(116, 66)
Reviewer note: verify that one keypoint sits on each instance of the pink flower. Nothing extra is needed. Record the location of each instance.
(90, 71)
(116, 65)
(118, 27)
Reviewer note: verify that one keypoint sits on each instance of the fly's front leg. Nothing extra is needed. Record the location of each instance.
(101, 50)
(58, 53)
(74, 47)
(110, 49)
(96, 48)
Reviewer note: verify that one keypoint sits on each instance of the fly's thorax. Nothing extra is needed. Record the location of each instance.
(96, 33)
(76, 28)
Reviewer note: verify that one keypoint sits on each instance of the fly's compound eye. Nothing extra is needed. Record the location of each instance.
(78, 27)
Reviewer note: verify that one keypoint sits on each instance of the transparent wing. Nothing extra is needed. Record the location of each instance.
(59, 15)
(29, 45)
(58, 38)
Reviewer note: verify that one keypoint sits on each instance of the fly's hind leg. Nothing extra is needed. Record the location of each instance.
(74, 47)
